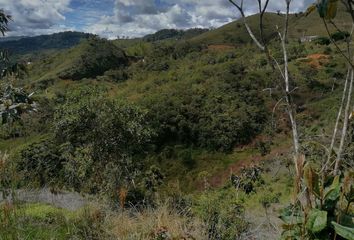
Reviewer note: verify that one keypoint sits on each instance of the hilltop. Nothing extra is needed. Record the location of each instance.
(88, 59)
(56, 41)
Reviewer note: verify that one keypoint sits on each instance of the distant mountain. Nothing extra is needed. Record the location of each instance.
(8, 39)
(174, 34)
(26, 45)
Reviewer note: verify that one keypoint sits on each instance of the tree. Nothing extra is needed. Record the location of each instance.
(13, 101)
(4, 20)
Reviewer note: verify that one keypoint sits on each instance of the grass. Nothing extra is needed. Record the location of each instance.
(154, 223)
(40, 221)
(32, 221)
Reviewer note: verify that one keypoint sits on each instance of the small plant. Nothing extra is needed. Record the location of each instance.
(328, 214)
(263, 147)
(248, 179)
(161, 234)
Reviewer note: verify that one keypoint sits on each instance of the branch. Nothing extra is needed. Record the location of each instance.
(249, 30)
(326, 166)
(336, 45)
(261, 15)
(345, 125)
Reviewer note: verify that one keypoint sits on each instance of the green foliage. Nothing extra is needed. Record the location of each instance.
(187, 158)
(97, 57)
(330, 213)
(323, 41)
(338, 36)
(42, 222)
(91, 58)
(248, 179)
(217, 108)
(174, 34)
(269, 199)
(317, 221)
(118, 131)
(327, 9)
(263, 147)
(4, 20)
(95, 148)
(223, 215)
(41, 163)
(13, 103)
(345, 232)
(114, 75)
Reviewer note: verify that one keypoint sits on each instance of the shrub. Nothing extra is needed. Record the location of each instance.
(338, 36)
(223, 215)
(323, 41)
(218, 112)
(40, 163)
(90, 146)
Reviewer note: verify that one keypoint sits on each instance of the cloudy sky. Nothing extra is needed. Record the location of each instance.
(133, 18)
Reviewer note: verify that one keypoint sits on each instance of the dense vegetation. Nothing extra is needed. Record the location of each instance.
(174, 34)
(184, 134)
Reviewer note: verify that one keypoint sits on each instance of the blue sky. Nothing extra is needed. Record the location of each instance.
(133, 18)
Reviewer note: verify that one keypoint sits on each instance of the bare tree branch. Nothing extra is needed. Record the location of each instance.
(325, 167)
(249, 30)
(345, 124)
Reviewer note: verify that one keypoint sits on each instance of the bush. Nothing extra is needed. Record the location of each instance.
(41, 163)
(323, 41)
(221, 110)
(338, 36)
(223, 216)
(90, 146)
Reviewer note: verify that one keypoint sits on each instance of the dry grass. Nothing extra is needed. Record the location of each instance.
(160, 223)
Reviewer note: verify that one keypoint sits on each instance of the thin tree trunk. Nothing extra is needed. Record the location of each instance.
(287, 85)
(345, 124)
(337, 122)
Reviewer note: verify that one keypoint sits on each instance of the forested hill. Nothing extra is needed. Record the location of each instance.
(44, 42)
(174, 34)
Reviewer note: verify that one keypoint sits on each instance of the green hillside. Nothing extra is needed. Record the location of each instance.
(89, 59)
(178, 135)
(174, 34)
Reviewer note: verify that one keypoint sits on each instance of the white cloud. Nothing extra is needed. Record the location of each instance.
(126, 17)
(32, 17)
(136, 17)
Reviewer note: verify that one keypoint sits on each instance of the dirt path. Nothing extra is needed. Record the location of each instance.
(66, 200)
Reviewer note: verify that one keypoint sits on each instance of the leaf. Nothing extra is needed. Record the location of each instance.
(321, 8)
(332, 7)
(310, 9)
(333, 191)
(327, 9)
(317, 221)
(345, 232)
(311, 179)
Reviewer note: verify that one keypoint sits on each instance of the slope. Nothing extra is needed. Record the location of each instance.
(89, 59)
(61, 40)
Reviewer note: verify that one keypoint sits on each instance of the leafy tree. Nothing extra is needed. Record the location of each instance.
(13, 101)
(101, 138)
